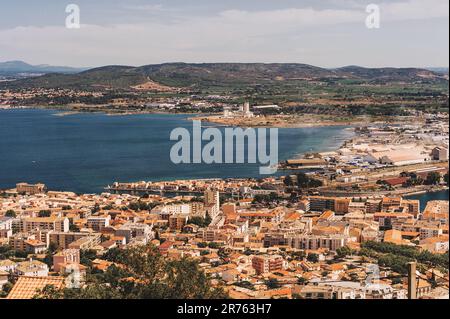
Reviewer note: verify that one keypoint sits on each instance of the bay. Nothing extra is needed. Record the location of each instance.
(85, 152)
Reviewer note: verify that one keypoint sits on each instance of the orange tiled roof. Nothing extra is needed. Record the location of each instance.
(27, 287)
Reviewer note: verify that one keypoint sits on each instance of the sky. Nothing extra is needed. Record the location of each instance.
(326, 33)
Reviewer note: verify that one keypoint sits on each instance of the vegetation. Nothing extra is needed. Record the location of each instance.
(200, 221)
(433, 178)
(313, 258)
(140, 206)
(301, 89)
(272, 283)
(343, 252)
(44, 213)
(266, 199)
(397, 257)
(10, 213)
(7, 252)
(142, 273)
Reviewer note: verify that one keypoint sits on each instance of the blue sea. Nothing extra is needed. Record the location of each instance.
(85, 152)
(425, 198)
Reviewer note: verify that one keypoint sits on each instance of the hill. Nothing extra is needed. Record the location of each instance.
(11, 68)
(207, 75)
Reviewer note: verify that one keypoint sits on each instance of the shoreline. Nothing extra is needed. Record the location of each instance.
(66, 111)
(204, 117)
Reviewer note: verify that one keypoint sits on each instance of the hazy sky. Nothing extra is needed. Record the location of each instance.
(326, 33)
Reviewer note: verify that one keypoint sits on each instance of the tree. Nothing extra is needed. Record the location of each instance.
(288, 181)
(200, 221)
(141, 272)
(213, 245)
(304, 181)
(313, 258)
(272, 283)
(343, 252)
(7, 288)
(73, 228)
(446, 179)
(44, 213)
(433, 178)
(10, 213)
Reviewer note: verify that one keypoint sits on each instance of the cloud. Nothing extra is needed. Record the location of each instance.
(144, 7)
(415, 10)
(307, 35)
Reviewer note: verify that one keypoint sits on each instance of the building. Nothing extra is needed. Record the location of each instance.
(176, 209)
(6, 227)
(304, 205)
(27, 286)
(65, 257)
(341, 206)
(98, 223)
(373, 206)
(64, 240)
(314, 242)
(404, 157)
(59, 224)
(132, 231)
(8, 266)
(267, 263)
(32, 268)
(177, 222)
(321, 204)
(246, 110)
(386, 220)
(440, 154)
(88, 242)
(212, 202)
(229, 208)
(24, 188)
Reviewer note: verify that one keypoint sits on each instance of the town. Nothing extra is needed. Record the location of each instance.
(254, 245)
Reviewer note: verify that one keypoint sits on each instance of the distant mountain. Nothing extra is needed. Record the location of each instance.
(188, 75)
(19, 67)
(390, 74)
(439, 70)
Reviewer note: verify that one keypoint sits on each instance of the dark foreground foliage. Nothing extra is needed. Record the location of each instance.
(142, 273)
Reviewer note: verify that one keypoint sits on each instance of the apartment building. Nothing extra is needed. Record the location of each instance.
(314, 242)
(134, 230)
(29, 189)
(98, 223)
(88, 242)
(321, 204)
(177, 222)
(59, 224)
(267, 263)
(212, 200)
(386, 220)
(64, 240)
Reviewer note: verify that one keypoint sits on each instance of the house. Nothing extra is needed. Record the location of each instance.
(8, 265)
(27, 287)
(231, 275)
(32, 268)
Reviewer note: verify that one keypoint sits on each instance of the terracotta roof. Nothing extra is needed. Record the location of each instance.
(27, 287)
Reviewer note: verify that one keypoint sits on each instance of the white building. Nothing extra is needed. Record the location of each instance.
(440, 154)
(32, 268)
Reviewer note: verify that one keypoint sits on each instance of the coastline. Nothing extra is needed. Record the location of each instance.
(66, 111)
(304, 121)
